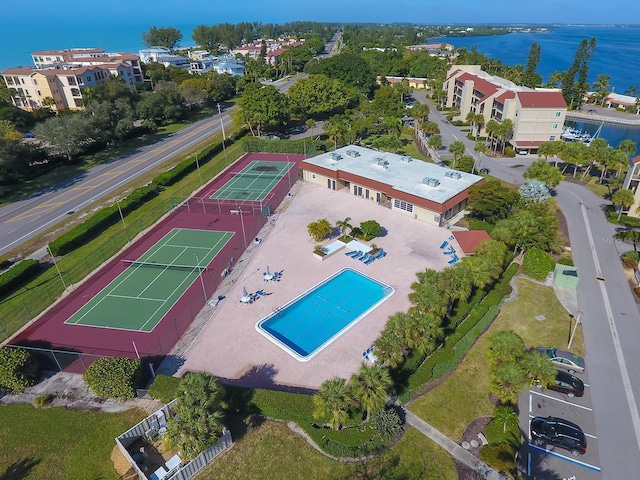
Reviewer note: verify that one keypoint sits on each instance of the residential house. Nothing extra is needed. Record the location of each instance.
(164, 56)
(442, 50)
(424, 191)
(537, 114)
(416, 83)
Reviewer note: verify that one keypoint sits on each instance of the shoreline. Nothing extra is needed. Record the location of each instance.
(602, 116)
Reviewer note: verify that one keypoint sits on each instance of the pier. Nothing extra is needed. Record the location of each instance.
(602, 116)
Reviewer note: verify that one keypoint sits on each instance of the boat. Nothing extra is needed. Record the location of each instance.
(570, 134)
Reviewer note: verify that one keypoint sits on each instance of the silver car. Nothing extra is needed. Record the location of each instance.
(564, 360)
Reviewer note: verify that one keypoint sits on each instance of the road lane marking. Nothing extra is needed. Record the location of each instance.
(624, 372)
(560, 400)
(564, 457)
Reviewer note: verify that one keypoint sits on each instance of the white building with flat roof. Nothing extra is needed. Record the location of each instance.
(413, 187)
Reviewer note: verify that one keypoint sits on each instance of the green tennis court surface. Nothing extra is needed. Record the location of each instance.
(141, 295)
(253, 182)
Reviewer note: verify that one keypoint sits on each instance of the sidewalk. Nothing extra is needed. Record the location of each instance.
(457, 452)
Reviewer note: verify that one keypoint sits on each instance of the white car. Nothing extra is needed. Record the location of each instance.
(522, 152)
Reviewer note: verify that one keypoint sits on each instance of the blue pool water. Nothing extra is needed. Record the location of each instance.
(316, 318)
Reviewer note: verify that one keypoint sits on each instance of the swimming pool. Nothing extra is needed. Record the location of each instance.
(314, 319)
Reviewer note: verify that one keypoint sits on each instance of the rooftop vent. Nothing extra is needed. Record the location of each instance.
(432, 182)
(452, 174)
(406, 158)
(353, 153)
(335, 156)
(382, 162)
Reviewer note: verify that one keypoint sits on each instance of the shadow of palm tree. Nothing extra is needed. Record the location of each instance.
(19, 470)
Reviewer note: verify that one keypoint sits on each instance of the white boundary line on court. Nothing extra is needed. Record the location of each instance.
(224, 238)
(264, 192)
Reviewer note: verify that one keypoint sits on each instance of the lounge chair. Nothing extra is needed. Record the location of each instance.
(361, 256)
(453, 260)
(352, 253)
(444, 245)
(451, 251)
(369, 260)
(365, 257)
(381, 253)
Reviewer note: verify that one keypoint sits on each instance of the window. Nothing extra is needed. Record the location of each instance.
(313, 175)
(38, 92)
(552, 138)
(402, 205)
(554, 126)
(35, 81)
(558, 114)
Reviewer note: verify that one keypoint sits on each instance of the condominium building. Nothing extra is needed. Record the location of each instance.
(59, 76)
(537, 114)
(632, 182)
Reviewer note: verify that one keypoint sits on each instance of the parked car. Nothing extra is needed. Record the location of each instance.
(523, 152)
(567, 384)
(559, 432)
(563, 359)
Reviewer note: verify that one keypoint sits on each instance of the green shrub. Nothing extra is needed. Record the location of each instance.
(387, 424)
(306, 145)
(499, 456)
(565, 259)
(43, 400)
(18, 275)
(537, 263)
(164, 388)
(113, 377)
(99, 222)
(17, 369)
(509, 152)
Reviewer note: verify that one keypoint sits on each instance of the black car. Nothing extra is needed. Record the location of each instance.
(559, 432)
(567, 384)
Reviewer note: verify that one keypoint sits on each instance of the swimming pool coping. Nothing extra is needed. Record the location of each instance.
(339, 333)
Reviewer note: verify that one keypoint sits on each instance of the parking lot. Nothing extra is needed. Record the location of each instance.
(549, 461)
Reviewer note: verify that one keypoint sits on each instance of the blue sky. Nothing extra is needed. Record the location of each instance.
(210, 12)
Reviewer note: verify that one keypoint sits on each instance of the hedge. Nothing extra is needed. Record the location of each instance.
(113, 377)
(457, 344)
(99, 222)
(18, 275)
(17, 369)
(164, 388)
(537, 263)
(307, 145)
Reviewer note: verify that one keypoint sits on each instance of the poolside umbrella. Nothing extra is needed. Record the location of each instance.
(244, 292)
(268, 272)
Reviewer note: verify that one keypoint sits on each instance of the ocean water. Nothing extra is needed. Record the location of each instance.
(616, 54)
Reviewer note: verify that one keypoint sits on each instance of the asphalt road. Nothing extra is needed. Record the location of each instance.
(23, 220)
(610, 320)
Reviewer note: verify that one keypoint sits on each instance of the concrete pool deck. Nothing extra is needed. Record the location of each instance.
(229, 346)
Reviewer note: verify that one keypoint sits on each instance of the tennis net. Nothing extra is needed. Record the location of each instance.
(257, 175)
(165, 266)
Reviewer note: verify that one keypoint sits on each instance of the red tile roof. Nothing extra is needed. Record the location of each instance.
(542, 99)
(469, 240)
(635, 160)
(480, 84)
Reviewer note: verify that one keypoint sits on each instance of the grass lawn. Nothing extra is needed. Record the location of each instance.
(272, 451)
(599, 190)
(464, 396)
(56, 443)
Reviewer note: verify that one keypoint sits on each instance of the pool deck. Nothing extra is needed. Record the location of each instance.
(229, 346)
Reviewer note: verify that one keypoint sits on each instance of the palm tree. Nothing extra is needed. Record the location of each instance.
(371, 387)
(458, 149)
(629, 236)
(624, 198)
(344, 225)
(506, 130)
(505, 347)
(547, 149)
(602, 85)
(198, 420)
(333, 399)
(390, 346)
(507, 381)
(492, 129)
(319, 229)
(628, 146)
(539, 369)
(507, 416)
(573, 153)
(632, 91)
(435, 142)
(554, 79)
(420, 112)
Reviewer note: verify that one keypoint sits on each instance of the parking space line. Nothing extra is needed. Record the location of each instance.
(568, 459)
(560, 400)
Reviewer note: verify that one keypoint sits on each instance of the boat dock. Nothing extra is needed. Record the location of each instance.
(601, 115)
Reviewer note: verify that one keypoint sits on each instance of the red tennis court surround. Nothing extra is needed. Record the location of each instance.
(51, 332)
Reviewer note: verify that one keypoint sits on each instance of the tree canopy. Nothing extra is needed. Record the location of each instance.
(168, 37)
(263, 108)
(320, 95)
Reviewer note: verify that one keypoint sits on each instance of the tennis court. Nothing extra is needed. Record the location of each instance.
(254, 182)
(143, 294)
